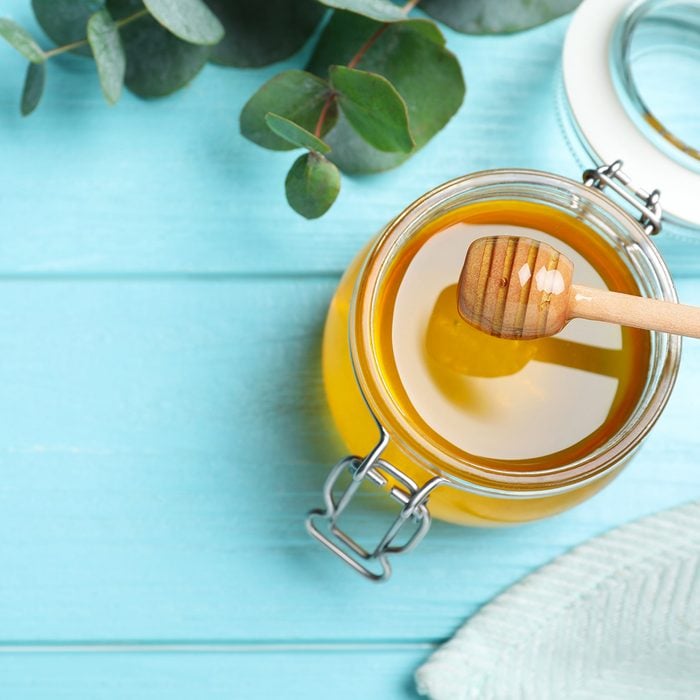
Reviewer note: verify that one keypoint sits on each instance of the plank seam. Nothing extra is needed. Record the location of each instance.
(212, 647)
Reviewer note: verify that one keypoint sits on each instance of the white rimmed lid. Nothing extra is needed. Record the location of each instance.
(608, 102)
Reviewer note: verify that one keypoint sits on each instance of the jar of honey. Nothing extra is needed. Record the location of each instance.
(478, 430)
(481, 431)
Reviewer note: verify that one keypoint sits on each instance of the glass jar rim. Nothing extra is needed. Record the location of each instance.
(665, 350)
(598, 120)
(642, 114)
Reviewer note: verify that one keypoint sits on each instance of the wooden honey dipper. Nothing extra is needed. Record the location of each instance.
(513, 287)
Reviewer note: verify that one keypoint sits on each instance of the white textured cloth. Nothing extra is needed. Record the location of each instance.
(616, 618)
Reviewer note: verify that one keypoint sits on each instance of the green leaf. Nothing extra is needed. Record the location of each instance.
(21, 40)
(345, 33)
(157, 62)
(260, 33)
(412, 56)
(312, 185)
(294, 95)
(108, 51)
(374, 108)
(65, 21)
(489, 17)
(295, 134)
(33, 88)
(189, 20)
(381, 10)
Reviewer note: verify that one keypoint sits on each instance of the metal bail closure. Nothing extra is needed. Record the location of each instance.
(414, 512)
(647, 204)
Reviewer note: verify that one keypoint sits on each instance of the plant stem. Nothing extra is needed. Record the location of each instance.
(84, 42)
(131, 18)
(324, 113)
(372, 39)
(63, 49)
(367, 45)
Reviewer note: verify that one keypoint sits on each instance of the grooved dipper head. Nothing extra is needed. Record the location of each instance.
(513, 287)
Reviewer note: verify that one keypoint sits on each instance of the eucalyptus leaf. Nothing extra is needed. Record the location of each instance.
(33, 88)
(157, 62)
(502, 17)
(294, 95)
(21, 40)
(65, 21)
(259, 33)
(312, 185)
(189, 20)
(345, 33)
(381, 10)
(108, 51)
(412, 56)
(374, 108)
(295, 134)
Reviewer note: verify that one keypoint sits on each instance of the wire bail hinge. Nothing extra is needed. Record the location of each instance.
(414, 512)
(647, 204)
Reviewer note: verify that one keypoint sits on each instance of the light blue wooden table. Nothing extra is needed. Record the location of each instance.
(162, 423)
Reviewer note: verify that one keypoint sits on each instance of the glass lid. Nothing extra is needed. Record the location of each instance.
(632, 80)
(655, 59)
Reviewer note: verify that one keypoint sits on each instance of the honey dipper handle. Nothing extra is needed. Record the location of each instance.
(629, 310)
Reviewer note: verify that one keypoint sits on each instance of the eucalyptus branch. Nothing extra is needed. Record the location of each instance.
(84, 42)
(168, 52)
(371, 40)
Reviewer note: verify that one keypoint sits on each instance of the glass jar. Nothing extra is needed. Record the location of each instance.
(629, 76)
(426, 472)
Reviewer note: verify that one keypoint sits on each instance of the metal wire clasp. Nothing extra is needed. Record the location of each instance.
(644, 202)
(372, 469)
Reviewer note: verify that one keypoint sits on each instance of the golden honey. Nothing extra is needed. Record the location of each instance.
(520, 410)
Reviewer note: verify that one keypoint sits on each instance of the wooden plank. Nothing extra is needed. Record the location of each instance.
(161, 442)
(342, 674)
(170, 185)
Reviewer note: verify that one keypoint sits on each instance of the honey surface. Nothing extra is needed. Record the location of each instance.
(517, 405)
